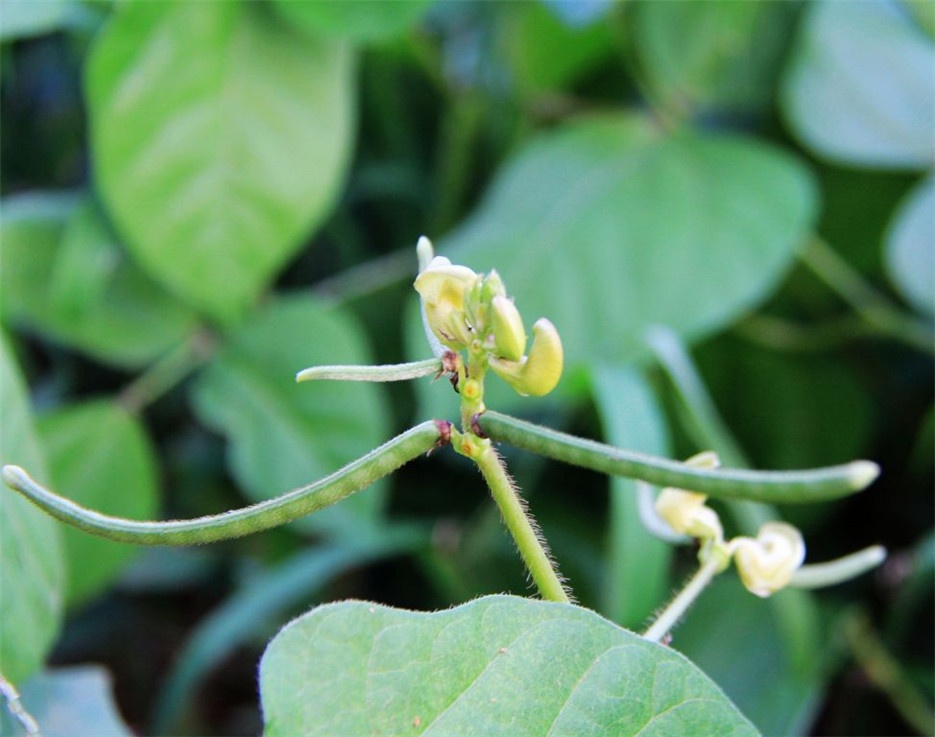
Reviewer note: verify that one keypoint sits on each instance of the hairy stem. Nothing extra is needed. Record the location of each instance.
(238, 522)
(519, 523)
(766, 486)
(683, 600)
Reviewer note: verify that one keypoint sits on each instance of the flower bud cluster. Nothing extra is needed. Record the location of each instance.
(765, 563)
(470, 311)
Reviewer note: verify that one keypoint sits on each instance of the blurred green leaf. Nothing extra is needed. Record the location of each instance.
(718, 52)
(274, 593)
(638, 570)
(73, 282)
(606, 228)
(99, 456)
(32, 563)
(284, 434)
(360, 21)
(530, 35)
(25, 18)
(70, 701)
(499, 665)
(793, 410)
(736, 639)
(220, 137)
(910, 247)
(859, 86)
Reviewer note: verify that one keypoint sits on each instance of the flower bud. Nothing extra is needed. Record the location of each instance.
(538, 373)
(442, 286)
(509, 335)
(687, 514)
(766, 564)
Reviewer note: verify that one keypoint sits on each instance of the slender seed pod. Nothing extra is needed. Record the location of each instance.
(812, 485)
(238, 522)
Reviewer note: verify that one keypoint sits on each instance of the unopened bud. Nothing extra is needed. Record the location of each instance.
(509, 335)
(766, 564)
(538, 373)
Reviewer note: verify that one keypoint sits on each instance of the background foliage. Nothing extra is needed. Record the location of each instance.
(725, 207)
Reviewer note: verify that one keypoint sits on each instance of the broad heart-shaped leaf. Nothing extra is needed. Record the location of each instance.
(360, 21)
(910, 256)
(65, 276)
(220, 137)
(607, 227)
(70, 701)
(284, 434)
(859, 88)
(500, 665)
(99, 455)
(32, 563)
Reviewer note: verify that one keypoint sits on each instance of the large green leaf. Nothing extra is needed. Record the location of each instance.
(910, 247)
(70, 701)
(65, 276)
(220, 137)
(637, 580)
(499, 665)
(859, 88)
(99, 456)
(360, 21)
(607, 228)
(32, 564)
(285, 434)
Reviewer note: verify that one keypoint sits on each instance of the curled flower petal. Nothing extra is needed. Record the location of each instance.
(766, 564)
(687, 514)
(538, 373)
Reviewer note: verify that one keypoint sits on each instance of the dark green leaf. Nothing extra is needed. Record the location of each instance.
(360, 21)
(220, 138)
(285, 434)
(71, 701)
(99, 456)
(499, 665)
(32, 563)
(859, 88)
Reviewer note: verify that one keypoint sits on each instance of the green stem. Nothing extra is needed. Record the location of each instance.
(518, 522)
(676, 609)
(877, 311)
(773, 486)
(16, 709)
(885, 671)
(238, 522)
(168, 371)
